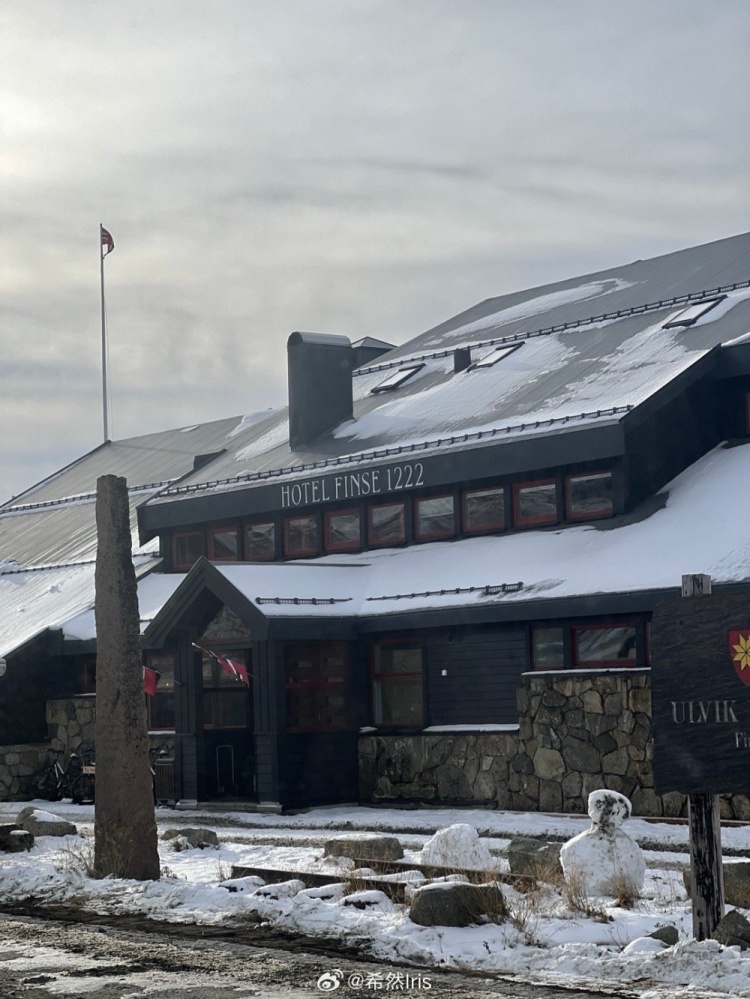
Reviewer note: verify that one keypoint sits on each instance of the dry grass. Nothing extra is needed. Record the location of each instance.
(624, 892)
(576, 899)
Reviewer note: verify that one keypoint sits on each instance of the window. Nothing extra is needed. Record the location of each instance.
(315, 679)
(301, 535)
(483, 510)
(186, 549)
(535, 503)
(498, 353)
(604, 645)
(588, 496)
(397, 684)
(434, 517)
(86, 675)
(548, 648)
(692, 313)
(226, 700)
(160, 707)
(223, 544)
(260, 542)
(398, 377)
(342, 530)
(386, 524)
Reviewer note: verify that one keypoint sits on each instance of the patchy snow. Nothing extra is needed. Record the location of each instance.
(458, 845)
(545, 943)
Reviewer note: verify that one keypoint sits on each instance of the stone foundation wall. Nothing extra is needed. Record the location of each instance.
(70, 723)
(578, 731)
(17, 764)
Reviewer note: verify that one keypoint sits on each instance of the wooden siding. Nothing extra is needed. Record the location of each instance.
(318, 768)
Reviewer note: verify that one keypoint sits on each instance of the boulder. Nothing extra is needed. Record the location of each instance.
(42, 823)
(457, 846)
(667, 935)
(534, 858)
(733, 931)
(15, 840)
(364, 846)
(195, 838)
(450, 903)
(736, 882)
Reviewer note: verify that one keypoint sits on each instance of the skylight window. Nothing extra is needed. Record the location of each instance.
(398, 377)
(496, 354)
(692, 313)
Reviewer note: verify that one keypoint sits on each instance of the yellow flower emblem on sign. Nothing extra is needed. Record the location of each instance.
(742, 652)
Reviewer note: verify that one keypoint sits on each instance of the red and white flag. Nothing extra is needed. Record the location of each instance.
(234, 668)
(150, 680)
(106, 239)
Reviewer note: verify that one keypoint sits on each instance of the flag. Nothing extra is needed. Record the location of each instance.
(235, 669)
(150, 680)
(106, 238)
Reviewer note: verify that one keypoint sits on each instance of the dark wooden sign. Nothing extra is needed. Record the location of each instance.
(700, 671)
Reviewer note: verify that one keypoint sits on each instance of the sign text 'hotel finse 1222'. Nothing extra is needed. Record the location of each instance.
(700, 669)
(351, 485)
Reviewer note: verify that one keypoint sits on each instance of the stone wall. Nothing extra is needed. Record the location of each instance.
(17, 764)
(70, 722)
(578, 731)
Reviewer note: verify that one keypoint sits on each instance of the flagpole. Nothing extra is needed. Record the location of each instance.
(105, 405)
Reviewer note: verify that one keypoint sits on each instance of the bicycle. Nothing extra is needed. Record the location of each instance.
(83, 781)
(52, 783)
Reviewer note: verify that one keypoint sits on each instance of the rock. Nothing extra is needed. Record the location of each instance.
(534, 858)
(456, 904)
(667, 935)
(604, 858)
(457, 846)
(364, 846)
(737, 883)
(733, 931)
(15, 840)
(43, 823)
(193, 838)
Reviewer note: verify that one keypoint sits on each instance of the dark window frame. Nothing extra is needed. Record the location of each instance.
(341, 546)
(380, 678)
(301, 552)
(195, 533)
(391, 539)
(215, 529)
(496, 529)
(418, 535)
(338, 686)
(569, 515)
(234, 688)
(569, 627)
(520, 521)
(266, 521)
(158, 699)
(577, 663)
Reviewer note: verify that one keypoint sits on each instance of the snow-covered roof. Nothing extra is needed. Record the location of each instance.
(592, 349)
(699, 524)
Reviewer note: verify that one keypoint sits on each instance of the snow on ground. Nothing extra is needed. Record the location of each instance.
(545, 940)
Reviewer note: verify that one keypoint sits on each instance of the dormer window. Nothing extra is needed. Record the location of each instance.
(498, 353)
(397, 378)
(692, 313)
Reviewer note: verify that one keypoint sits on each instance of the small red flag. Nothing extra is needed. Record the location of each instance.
(237, 670)
(150, 680)
(107, 240)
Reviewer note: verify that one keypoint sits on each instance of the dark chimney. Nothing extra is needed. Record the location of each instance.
(368, 349)
(320, 384)
(461, 359)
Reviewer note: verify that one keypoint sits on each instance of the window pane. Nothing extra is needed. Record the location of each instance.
(342, 530)
(392, 660)
(435, 516)
(188, 548)
(301, 535)
(387, 523)
(536, 503)
(590, 495)
(223, 543)
(605, 644)
(548, 651)
(484, 510)
(399, 703)
(260, 541)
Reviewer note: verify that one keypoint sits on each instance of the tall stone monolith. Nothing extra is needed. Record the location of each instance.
(125, 827)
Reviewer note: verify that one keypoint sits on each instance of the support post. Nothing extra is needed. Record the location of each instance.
(706, 868)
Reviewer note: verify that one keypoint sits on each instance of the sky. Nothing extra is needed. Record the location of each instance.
(364, 167)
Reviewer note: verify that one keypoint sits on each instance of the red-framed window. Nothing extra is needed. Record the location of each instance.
(386, 524)
(434, 517)
(483, 510)
(588, 495)
(223, 544)
(160, 708)
(187, 548)
(301, 536)
(398, 683)
(535, 502)
(260, 541)
(595, 645)
(86, 675)
(315, 683)
(342, 530)
(226, 699)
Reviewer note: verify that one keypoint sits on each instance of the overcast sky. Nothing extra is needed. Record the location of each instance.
(366, 167)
